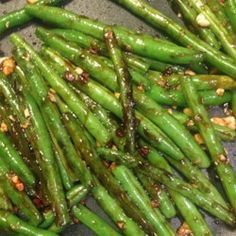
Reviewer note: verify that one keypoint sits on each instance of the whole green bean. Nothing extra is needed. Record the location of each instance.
(93, 221)
(217, 152)
(86, 41)
(190, 14)
(202, 82)
(180, 34)
(14, 224)
(50, 169)
(14, 160)
(141, 44)
(157, 193)
(113, 209)
(125, 88)
(20, 17)
(87, 118)
(65, 171)
(138, 195)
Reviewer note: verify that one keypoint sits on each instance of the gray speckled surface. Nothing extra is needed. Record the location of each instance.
(110, 13)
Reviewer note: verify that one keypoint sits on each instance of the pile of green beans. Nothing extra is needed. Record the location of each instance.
(121, 116)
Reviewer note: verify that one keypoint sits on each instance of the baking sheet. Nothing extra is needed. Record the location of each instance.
(110, 13)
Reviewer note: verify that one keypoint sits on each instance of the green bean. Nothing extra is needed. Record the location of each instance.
(191, 192)
(138, 195)
(219, 10)
(158, 194)
(65, 171)
(93, 221)
(14, 160)
(216, 149)
(191, 215)
(161, 66)
(20, 17)
(113, 209)
(76, 194)
(230, 9)
(50, 169)
(225, 133)
(97, 46)
(180, 34)
(5, 203)
(190, 14)
(49, 219)
(87, 118)
(216, 26)
(202, 82)
(13, 223)
(141, 44)
(125, 88)
(176, 97)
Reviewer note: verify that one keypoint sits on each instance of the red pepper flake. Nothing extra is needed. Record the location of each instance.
(120, 133)
(84, 78)
(154, 204)
(69, 76)
(38, 202)
(144, 151)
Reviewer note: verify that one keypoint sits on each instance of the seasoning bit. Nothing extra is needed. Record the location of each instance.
(144, 151)
(198, 139)
(8, 66)
(51, 95)
(4, 127)
(189, 72)
(170, 111)
(117, 95)
(220, 92)
(120, 224)
(184, 230)
(26, 113)
(190, 123)
(229, 121)
(202, 21)
(17, 182)
(79, 70)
